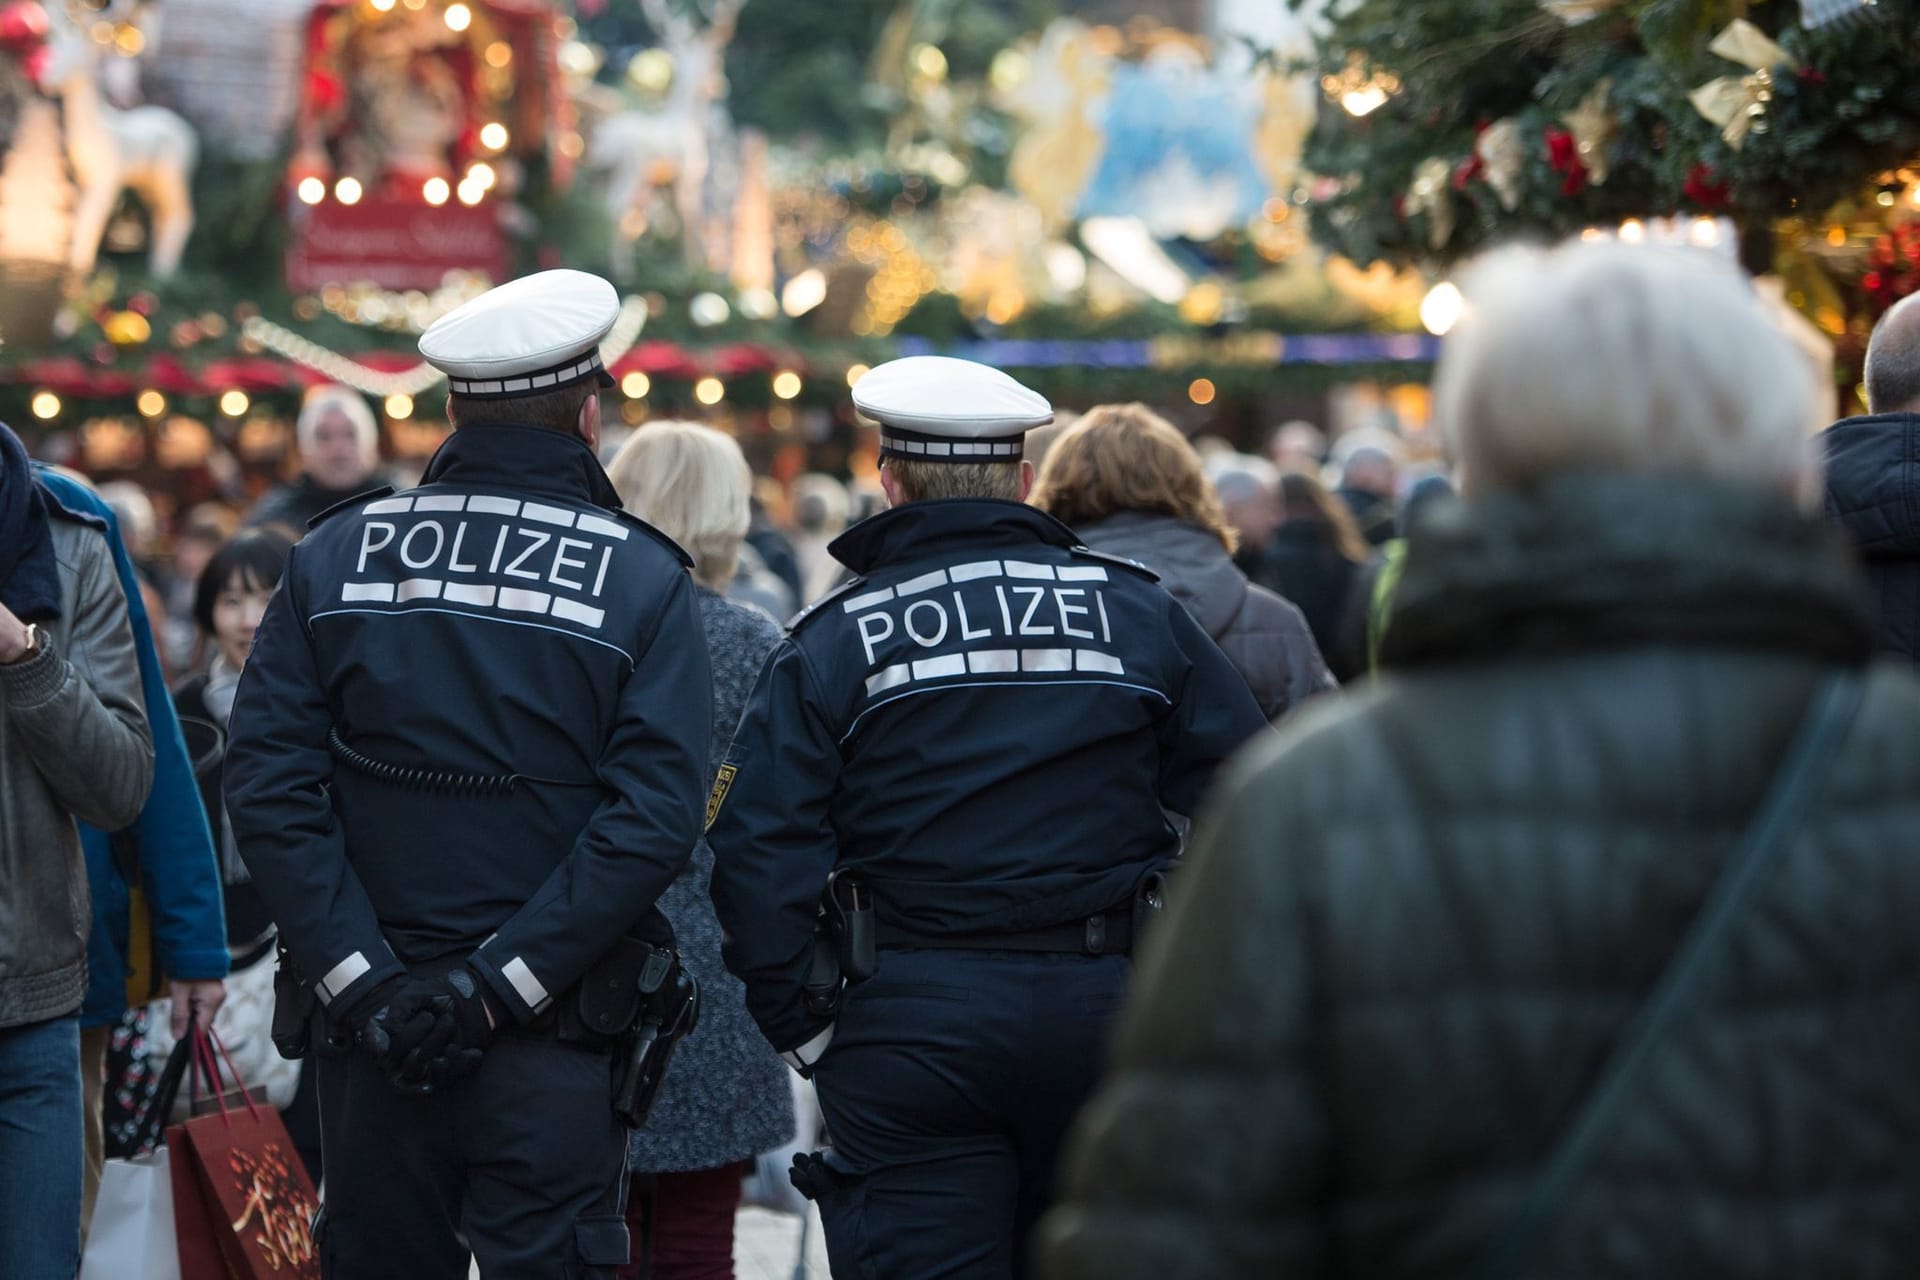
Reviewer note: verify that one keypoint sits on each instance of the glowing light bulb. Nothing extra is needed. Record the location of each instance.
(635, 385)
(436, 191)
(348, 191)
(399, 406)
(786, 384)
(311, 191)
(234, 403)
(458, 17)
(151, 403)
(46, 405)
(494, 136)
(1201, 391)
(709, 390)
(1440, 309)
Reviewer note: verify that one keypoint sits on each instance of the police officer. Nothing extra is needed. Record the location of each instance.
(467, 755)
(982, 733)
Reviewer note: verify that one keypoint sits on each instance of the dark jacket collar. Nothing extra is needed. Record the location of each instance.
(1591, 562)
(945, 524)
(1873, 473)
(525, 459)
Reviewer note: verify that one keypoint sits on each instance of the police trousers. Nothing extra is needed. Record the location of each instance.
(524, 1164)
(948, 1089)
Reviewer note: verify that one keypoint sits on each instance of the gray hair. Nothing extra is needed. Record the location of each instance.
(1893, 360)
(1606, 357)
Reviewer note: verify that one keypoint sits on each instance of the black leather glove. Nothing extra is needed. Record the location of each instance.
(429, 1032)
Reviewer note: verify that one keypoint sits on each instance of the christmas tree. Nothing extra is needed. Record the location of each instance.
(1455, 123)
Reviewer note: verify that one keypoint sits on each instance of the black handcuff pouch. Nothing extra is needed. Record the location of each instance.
(295, 1004)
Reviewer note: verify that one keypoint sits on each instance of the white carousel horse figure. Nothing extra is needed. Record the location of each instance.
(635, 146)
(148, 150)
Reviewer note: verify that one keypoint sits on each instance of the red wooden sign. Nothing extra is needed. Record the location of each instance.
(392, 244)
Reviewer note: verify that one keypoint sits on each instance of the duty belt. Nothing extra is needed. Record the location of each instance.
(1109, 933)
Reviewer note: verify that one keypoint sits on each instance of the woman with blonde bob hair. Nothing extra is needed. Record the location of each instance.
(1484, 971)
(1127, 482)
(726, 1099)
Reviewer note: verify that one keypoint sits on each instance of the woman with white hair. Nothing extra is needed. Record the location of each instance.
(726, 1099)
(339, 444)
(1582, 944)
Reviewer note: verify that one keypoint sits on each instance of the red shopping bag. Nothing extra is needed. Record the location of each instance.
(242, 1205)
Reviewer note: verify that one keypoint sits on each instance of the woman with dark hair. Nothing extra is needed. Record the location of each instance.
(228, 602)
(1314, 560)
(1127, 482)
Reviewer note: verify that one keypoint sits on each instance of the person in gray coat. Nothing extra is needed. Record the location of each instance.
(725, 1098)
(74, 743)
(1129, 484)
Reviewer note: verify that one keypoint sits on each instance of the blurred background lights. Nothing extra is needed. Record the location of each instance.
(436, 191)
(494, 136)
(1440, 309)
(347, 191)
(399, 407)
(459, 17)
(1201, 391)
(804, 292)
(786, 384)
(709, 390)
(856, 373)
(234, 403)
(708, 310)
(151, 403)
(46, 405)
(311, 191)
(635, 385)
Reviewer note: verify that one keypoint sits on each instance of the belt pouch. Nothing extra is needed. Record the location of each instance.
(295, 1003)
(608, 999)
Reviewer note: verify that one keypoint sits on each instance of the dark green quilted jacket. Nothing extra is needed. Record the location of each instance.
(1412, 928)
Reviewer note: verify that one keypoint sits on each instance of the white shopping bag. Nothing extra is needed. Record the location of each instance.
(131, 1237)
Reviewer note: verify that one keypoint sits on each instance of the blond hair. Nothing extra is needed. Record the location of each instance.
(925, 481)
(1126, 457)
(1605, 357)
(692, 483)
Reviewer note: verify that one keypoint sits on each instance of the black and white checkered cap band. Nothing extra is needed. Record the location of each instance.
(528, 384)
(897, 442)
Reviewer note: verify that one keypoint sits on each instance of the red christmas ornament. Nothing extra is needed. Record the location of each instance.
(1704, 188)
(23, 27)
(1563, 156)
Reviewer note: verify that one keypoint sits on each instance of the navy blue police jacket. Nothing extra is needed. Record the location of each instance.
(504, 618)
(988, 726)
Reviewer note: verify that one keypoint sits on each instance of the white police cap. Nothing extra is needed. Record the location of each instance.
(528, 337)
(939, 409)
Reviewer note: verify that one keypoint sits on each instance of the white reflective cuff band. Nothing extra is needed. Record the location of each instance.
(809, 1053)
(525, 985)
(343, 975)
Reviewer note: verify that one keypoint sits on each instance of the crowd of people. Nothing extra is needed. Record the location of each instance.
(1558, 925)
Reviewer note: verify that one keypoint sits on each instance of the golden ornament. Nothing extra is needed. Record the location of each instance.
(1431, 196)
(1738, 104)
(1504, 154)
(1593, 128)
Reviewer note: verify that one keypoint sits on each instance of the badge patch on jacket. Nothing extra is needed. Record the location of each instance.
(718, 796)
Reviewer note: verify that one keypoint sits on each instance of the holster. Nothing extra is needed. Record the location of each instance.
(669, 1008)
(295, 1004)
(845, 944)
(1149, 904)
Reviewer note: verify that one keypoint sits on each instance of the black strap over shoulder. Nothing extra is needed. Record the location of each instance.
(851, 584)
(1809, 759)
(379, 491)
(1107, 557)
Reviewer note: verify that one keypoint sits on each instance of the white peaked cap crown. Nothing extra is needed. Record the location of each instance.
(526, 337)
(939, 409)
